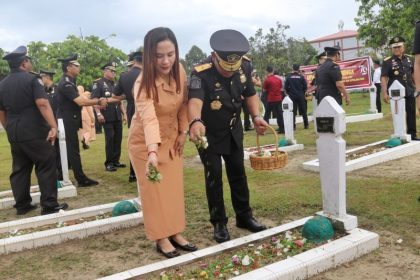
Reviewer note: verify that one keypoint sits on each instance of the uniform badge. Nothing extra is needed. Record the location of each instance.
(243, 78)
(396, 39)
(216, 105)
(195, 82)
(396, 73)
(217, 84)
(107, 94)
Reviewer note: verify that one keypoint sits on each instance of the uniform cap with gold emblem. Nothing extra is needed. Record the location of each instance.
(72, 59)
(229, 46)
(332, 50)
(46, 72)
(109, 66)
(19, 54)
(397, 41)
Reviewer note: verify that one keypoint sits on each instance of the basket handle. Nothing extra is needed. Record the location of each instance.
(275, 136)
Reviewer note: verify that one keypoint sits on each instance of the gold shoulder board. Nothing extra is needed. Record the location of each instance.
(202, 67)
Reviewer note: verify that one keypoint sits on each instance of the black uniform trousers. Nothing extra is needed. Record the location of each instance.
(71, 126)
(410, 109)
(98, 125)
(113, 138)
(278, 111)
(25, 155)
(130, 114)
(378, 97)
(300, 103)
(58, 160)
(235, 170)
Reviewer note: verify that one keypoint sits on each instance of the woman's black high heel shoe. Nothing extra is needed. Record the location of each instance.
(187, 247)
(172, 254)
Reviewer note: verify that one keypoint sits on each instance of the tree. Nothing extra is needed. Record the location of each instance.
(276, 49)
(380, 20)
(193, 57)
(93, 53)
(4, 67)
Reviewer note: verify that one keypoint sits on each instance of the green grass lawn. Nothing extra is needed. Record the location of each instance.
(381, 203)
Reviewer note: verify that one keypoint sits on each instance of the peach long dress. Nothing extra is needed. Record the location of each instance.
(163, 202)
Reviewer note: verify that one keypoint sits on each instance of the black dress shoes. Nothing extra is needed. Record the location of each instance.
(119, 165)
(187, 247)
(250, 224)
(110, 168)
(84, 145)
(415, 138)
(221, 233)
(26, 209)
(132, 178)
(172, 254)
(48, 210)
(87, 183)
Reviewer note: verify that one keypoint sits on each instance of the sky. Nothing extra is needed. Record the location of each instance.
(193, 22)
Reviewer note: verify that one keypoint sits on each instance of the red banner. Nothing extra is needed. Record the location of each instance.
(355, 72)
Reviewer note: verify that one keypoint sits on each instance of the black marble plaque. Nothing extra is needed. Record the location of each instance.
(325, 124)
(395, 93)
(285, 106)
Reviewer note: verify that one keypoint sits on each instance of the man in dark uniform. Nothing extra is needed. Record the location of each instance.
(214, 107)
(51, 90)
(69, 109)
(321, 59)
(400, 67)
(111, 117)
(416, 51)
(296, 87)
(124, 90)
(328, 78)
(31, 129)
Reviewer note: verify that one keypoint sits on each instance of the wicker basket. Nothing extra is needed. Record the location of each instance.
(278, 159)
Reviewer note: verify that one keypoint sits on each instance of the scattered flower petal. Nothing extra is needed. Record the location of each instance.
(246, 260)
(399, 241)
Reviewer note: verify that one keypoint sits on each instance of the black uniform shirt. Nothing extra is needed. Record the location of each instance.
(18, 93)
(221, 103)
(52, 97)
(105, 88)
(125, 87)
(401, 70)
(296, 86)
(326, 76)
(67, 92)
(416, 46)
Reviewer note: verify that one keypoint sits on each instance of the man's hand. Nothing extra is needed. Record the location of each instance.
(386, 97)
(196, 131)
(103, 102)
(52, 135)
(260, 124)
(348, 101)
(101, 118)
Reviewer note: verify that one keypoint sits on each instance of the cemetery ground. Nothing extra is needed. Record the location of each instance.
(383, 197)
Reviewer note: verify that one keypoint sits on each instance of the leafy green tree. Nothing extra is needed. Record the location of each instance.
(276, 49)
(93, 53)
(380, 20)
(4, 67)
(194, 56)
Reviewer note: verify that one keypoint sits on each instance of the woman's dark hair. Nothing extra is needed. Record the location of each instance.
(152, 38)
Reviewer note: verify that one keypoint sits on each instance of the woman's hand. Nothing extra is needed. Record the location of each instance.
(152, 159)
(179, 143)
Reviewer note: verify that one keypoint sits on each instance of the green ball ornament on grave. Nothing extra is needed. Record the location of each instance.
(393, 142)
(123, 208)
(318, 229)
(283, 142)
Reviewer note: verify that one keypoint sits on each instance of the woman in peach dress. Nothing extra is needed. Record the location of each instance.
(88, 121)
(157, 136)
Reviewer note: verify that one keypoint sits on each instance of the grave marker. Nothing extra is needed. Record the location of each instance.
(287, 106)
(330, 124)
(397, 93)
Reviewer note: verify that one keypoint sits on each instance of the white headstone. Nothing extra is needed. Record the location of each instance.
(287, 106)
(372, 94)
(330, 124)
(63, 153)
(397, 93)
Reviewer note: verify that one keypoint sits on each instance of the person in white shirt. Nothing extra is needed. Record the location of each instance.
(377, 82)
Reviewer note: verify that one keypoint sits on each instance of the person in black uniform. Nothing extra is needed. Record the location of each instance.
(110, 116)
(296, 87)
(214, 106)
(321, 59)
(31, 129)
(416, 51)
(124, 90)
(51, 90)
(69, 109)
(329, 79)
(400, 67)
